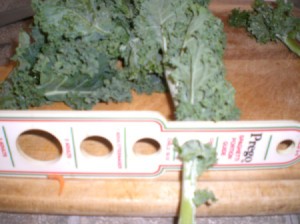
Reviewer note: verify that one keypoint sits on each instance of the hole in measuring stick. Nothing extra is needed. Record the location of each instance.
(96, 146)
(146, 146)
(286, 147)
(39, 145)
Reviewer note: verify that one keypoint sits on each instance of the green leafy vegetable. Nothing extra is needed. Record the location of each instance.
(190, 42)
(73, 56)
(197, 158)
(268, 22)
(203, 93)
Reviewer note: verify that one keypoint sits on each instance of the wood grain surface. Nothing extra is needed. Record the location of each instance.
(267, 83)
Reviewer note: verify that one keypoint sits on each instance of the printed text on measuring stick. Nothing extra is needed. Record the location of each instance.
(68, 148)
(249, 153)
(169, 148)
(2, 147)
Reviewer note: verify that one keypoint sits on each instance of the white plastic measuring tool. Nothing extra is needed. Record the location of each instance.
(240, 145)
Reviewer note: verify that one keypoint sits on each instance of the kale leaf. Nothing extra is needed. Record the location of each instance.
(203, 92)
(270, 22)
(71, 55)
(190, 42)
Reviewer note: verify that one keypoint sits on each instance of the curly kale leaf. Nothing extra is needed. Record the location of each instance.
(239, 18)
(73, 19)
(83, 72)
(143, 52)
(73, 54)
(73, 72)
(268, 22)
(203, 92)
(19, 91)
(185, 41)
(204, 154)
(204, 197)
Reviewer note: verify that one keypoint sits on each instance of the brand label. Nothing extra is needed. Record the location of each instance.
(249, 153)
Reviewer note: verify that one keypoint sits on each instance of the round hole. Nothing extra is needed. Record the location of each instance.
(146, 146)
(96, 146)
(286, 147)
(39, 145)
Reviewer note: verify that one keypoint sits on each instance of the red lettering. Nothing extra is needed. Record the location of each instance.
(2, 148)
(232, 146)
(168, 155)
(168, 149)
(239, 148)
(224, 148)
(68, 149)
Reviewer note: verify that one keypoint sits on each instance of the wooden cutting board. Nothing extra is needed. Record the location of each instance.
(267, 83)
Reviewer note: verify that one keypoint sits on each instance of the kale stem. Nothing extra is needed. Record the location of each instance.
(187, 212)
(291, 43)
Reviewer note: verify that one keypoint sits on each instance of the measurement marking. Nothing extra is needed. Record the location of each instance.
(268, 147)
(125, 149)
(74, 150)
(8, 147)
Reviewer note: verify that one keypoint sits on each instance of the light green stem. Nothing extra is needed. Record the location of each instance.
(187, 214)
(291, 43)
(171, 85)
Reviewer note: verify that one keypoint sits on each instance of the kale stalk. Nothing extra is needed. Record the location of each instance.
(197, 158)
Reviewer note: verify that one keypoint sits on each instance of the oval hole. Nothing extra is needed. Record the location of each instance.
(96, 146)
(39, 145)
(286, 147)
(146, 146)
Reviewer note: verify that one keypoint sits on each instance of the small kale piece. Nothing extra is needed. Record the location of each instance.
(239, 18)
(197, 158)
(268, 22)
